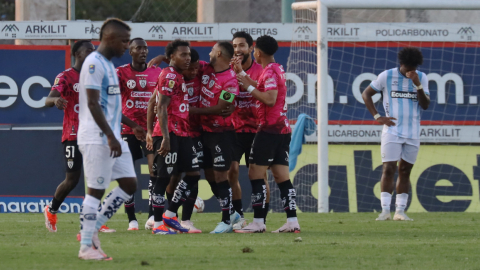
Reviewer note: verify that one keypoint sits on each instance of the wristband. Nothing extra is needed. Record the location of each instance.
(420, 87)
(376, 116)
(250, 89)
(243, 73)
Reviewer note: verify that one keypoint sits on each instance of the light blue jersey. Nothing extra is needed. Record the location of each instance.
(400, 101)
(99, 73)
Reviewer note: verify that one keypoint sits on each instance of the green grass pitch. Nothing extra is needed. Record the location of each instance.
(332, 241)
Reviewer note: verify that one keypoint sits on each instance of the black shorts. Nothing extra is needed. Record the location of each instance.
(182, 156)
(270, 149)
(242, 145)
(73, 157)
(218, 149)
(198, 144)
(138, 149)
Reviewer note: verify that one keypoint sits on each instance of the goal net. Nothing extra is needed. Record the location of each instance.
(361, 44)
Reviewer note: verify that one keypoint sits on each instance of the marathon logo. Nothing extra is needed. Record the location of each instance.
(140, 94)
(402, 94)
(35, 204)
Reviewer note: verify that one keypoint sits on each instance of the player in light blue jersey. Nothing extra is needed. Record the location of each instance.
(106, 156)
(404, 91)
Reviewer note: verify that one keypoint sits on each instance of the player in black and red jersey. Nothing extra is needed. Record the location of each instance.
(64, 95)
(137, 84)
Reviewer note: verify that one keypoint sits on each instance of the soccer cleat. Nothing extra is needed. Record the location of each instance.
(50, 220)
(90, 253)
(133, 226)
(162, 230)
(223, 227)
(253, 227)
(400, 215)
(289, 227)
(384, 216)
(235, 218)
(240, 224)
(150, 223)
(173, 224)
(105, 229)
(189, 225)
(96, 244)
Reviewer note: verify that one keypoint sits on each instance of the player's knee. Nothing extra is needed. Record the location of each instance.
(388, 170)
(404, 170)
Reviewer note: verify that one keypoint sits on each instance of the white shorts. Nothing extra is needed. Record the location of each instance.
(100, 169)
(395, 148)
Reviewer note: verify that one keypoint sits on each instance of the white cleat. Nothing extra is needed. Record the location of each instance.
(253, 227)
(96, 244)
(133, 226)
(400, 215)
(150, 223)
(90, 253)
(384, 216)
(289, 227)
(189, 225)
(242, 223)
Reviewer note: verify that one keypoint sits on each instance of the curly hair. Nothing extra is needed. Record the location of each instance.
(410, 56)
(267, 44)
(173, 46)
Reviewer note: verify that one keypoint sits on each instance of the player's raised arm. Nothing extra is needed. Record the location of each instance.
(422, 96)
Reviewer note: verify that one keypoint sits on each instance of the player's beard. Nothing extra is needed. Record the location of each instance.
(213, 60)
(245, 58)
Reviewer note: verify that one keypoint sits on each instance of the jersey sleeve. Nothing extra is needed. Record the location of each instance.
(60, 83)
(271, 80)
(379, 84)
(424, 82)
(94, 76)
(231, 86)
(166, 83)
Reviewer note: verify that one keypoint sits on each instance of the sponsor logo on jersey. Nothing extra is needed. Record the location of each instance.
(169, 170)
(171, 84)
(143, 82)
(218, 159)
(205, 79)
(244, 95)
(193, 100)
(113, 90)
(129, 104)
(131, 84)
(185, 97)
(207, 92)
(141, 94)
(56, 81)
(402, 94)
(184, 88)
(166, 89)
(212, 82)
(218, 148)
(171, 76)
(75, 87)
(91, 69)
(270, 82)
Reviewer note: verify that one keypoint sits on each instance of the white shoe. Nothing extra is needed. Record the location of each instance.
(253, 227)
(90, 253)
(400, 215)
(96, 244)
(150, 223)
(133, 226)
(189, 225)
(242, 223)
(289, 227)
(384, 216)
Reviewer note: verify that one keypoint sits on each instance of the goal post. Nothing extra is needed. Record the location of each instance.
(321, 8)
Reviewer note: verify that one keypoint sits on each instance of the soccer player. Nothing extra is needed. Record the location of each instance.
(271, 145)
(64, 95)
(405, 91)
(219, 89)
(171, 139)
(244, 119)
(137, 84)
(105, 155)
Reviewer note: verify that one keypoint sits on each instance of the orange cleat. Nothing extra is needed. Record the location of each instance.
(50, 220)
(105, 229)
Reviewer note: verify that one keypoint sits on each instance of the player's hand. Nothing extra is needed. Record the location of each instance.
(413, 75)
(237, 64)
(149, 140)
(164, 147)
(155, 109)
(139, 133)
(115, 147)
(61, 103)
(243, 81)
(386, 121)
(228, 111)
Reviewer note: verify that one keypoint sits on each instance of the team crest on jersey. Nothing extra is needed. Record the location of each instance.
(190, 91)
(184, 88)
(212, 82)
(205, 79)
(131, 84)
(70, 163)
(91, 69)
(171, 84)
(143, 82)
(169, 170)
(56, 81)
(75, 87)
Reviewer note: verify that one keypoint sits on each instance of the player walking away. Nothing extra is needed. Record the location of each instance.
(105, 155)
(64, 95)
(175, 152)
(244, 119)
(270, 147)
(219, 88)
(404, 91)
(137, 84)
